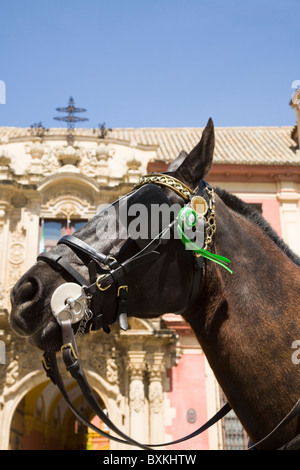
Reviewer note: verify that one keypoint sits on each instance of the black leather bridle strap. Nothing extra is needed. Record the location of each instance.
(219, 415)
(78, 245)
(59, 264)
(73, 365)
(52, 371)
(114, 275)
(198, 271)
(292, 413)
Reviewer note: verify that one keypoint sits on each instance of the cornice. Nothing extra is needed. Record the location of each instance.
(254, 173)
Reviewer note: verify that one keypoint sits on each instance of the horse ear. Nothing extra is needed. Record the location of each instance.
(175, 164)
(198, 162)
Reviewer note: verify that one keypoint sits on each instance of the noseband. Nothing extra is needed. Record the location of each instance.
(80, 301)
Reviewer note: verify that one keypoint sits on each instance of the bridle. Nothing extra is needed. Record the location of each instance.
(80, 301)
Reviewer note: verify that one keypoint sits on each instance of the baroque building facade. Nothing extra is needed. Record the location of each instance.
(153, 379)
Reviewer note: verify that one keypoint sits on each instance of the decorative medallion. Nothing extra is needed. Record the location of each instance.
(191, 415)
(199, 205)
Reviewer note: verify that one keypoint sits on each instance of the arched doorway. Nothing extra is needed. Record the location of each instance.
(43, 421)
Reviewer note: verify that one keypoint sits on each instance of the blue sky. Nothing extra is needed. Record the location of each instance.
(150, 63)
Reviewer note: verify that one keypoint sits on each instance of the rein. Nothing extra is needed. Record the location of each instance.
(80, 301)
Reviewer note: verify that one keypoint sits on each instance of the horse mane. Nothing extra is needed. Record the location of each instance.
(256, 218)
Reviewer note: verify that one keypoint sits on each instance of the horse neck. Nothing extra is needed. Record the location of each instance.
(263, 276)
(242, 319)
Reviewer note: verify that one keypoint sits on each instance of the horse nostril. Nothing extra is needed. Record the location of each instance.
(28, 291)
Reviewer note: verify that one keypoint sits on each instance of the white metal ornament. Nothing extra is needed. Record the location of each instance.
(68, 302)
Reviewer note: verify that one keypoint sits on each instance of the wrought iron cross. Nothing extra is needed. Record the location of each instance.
(71, 119)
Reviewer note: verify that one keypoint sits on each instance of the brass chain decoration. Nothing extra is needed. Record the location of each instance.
(211, 221)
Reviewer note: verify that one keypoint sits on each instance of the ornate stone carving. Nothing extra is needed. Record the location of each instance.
(2, 216)
(156, 371)
(95, 162)
(102, 152)
(133, 164)
(136, 368)
(68, 202)
(156, 396)
(13, 371)
(136, 395)
(39, 153)
(5, 163)
(43, 158)
(16, 252)
(112, 373)
(5, 160)
(102, 357)
(1, 295)
(36, 149)
(21, 359)
(50, 164)
(69, 155)
(133, 173)
(98, 363)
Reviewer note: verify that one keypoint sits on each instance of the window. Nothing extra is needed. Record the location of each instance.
(234, 435)
(51, 230)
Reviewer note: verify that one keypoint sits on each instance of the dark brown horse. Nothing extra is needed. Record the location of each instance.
(246, 322)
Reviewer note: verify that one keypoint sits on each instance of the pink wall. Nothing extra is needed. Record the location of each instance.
(187, 384)
(270, 211)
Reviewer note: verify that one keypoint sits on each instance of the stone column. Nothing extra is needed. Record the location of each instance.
(4, 234)
(32, 219)
(288, 196)
(137, 401)
(156, 371)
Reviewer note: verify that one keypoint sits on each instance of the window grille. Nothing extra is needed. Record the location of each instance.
(234, 435)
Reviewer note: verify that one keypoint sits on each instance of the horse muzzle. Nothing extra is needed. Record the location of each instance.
(25, 298)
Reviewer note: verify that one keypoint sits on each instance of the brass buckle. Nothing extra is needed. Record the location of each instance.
(69, 345)
(99, 285)
(122, 287)
(45, 363)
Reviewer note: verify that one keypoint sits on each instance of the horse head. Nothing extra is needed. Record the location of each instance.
(155, 284)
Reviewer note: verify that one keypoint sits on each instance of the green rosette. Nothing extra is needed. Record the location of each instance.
(188, 217)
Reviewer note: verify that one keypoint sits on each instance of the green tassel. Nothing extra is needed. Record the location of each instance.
(221, 260)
